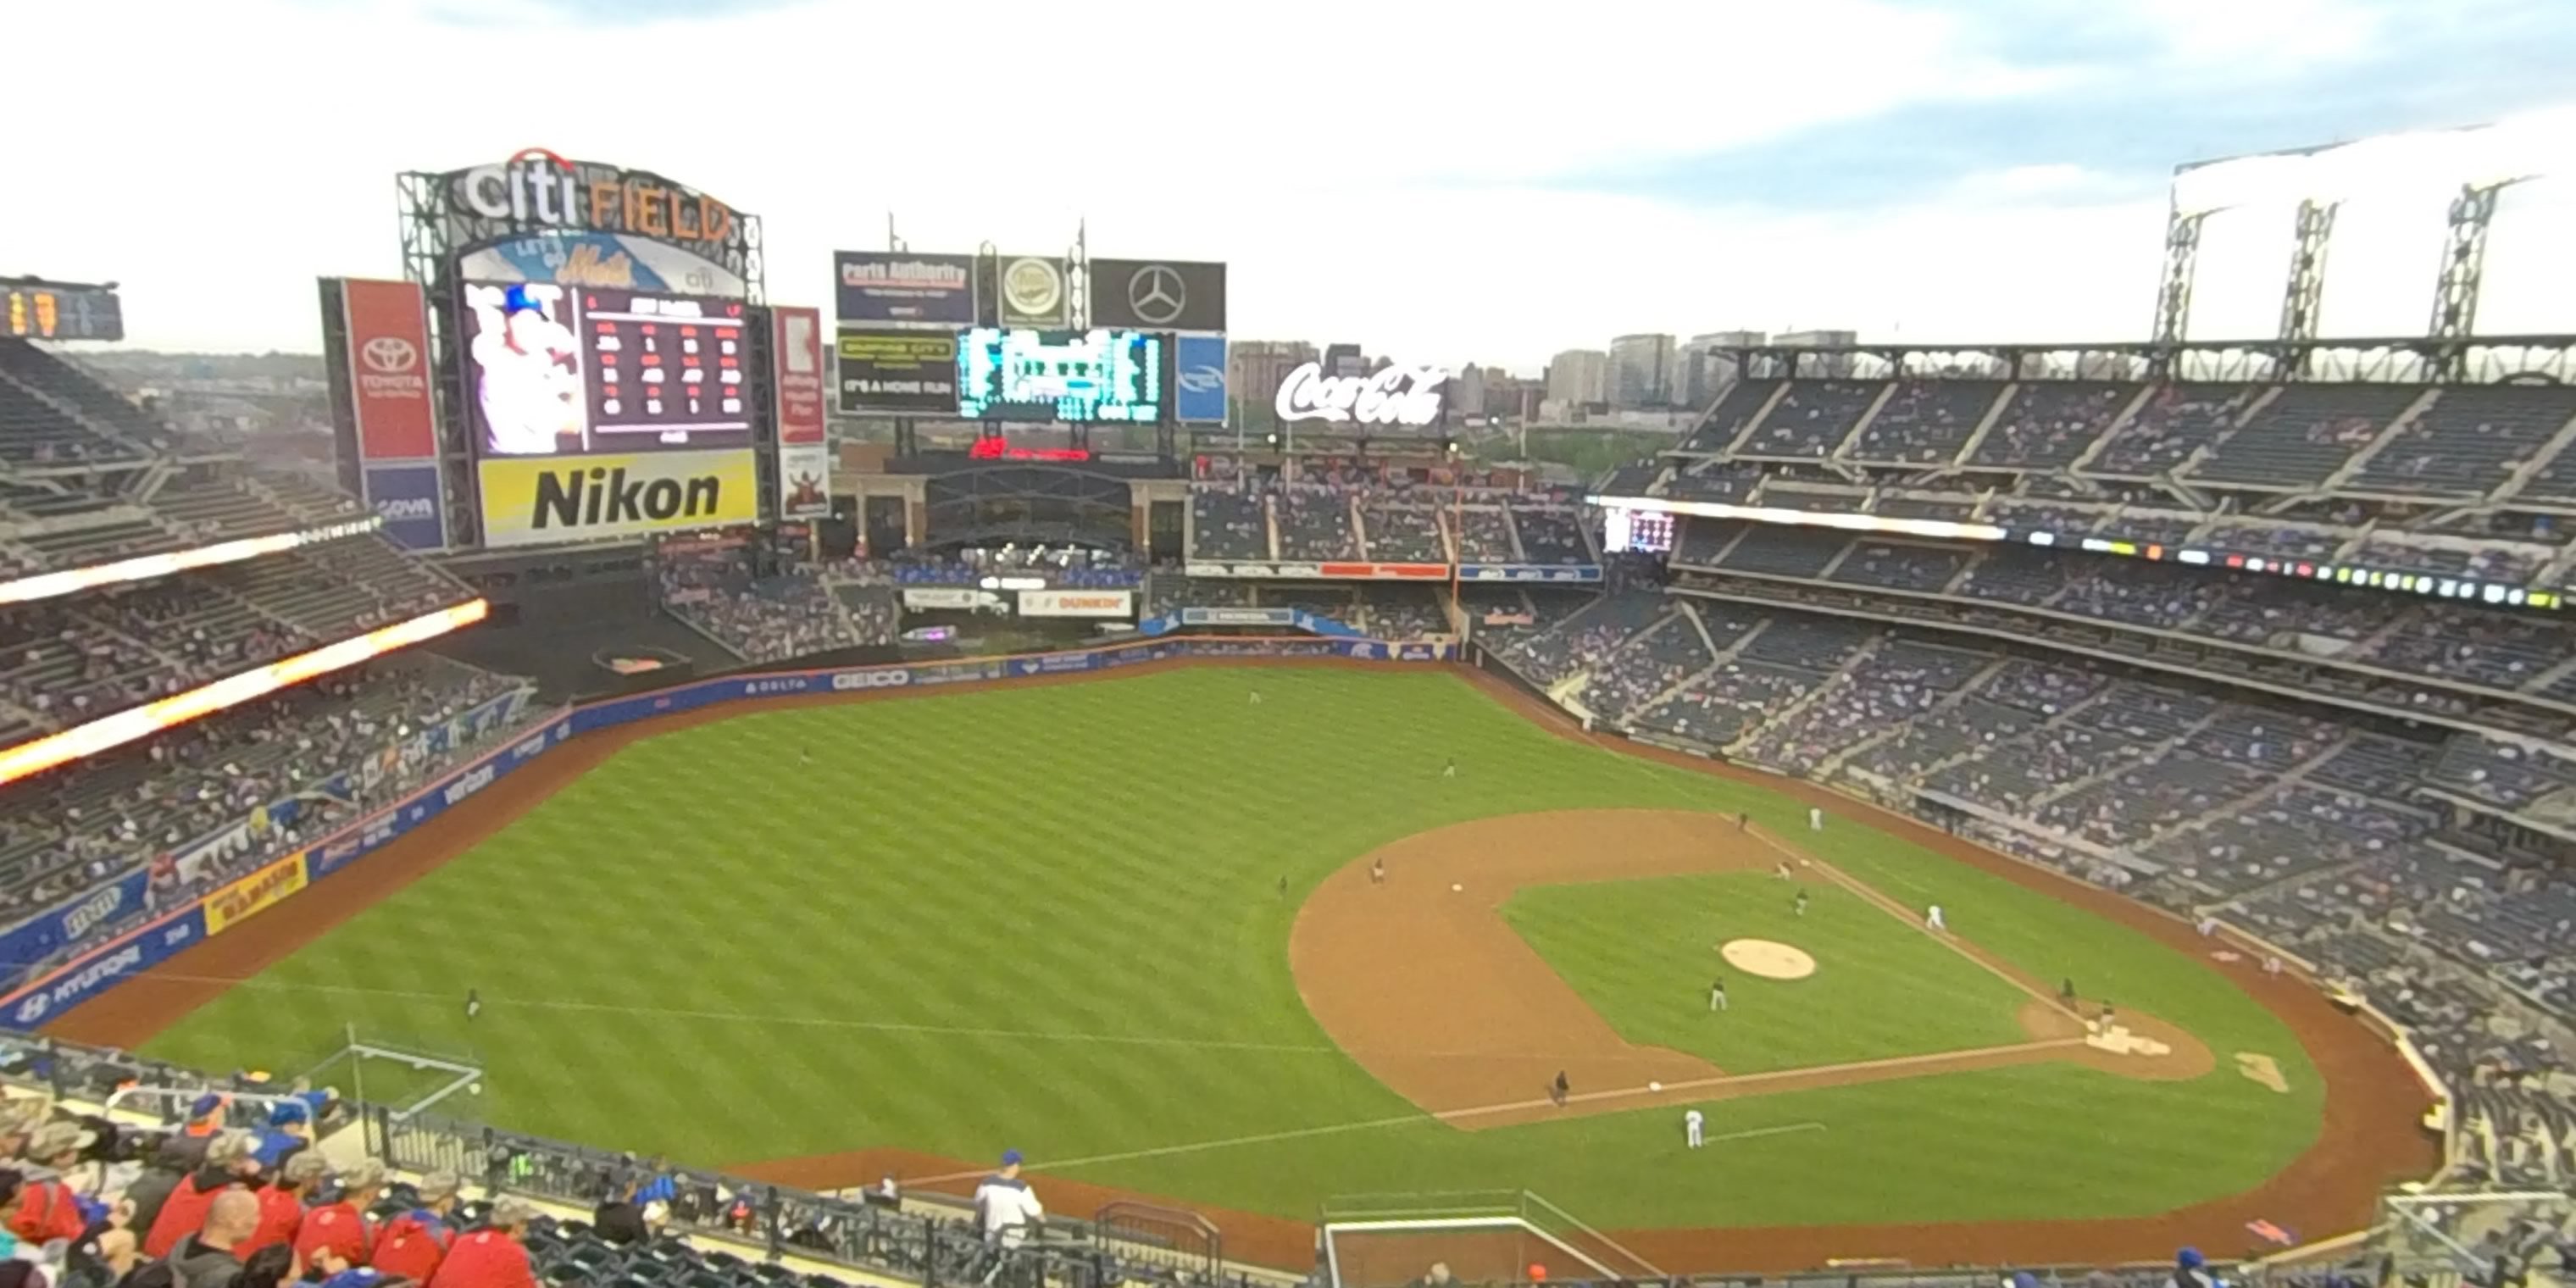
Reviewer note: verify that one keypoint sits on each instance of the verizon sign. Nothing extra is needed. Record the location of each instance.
(1406, 396)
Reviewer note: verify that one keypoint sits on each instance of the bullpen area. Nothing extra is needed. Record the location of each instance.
(1250, 937)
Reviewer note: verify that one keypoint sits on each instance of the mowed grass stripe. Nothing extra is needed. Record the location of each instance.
(680, 951)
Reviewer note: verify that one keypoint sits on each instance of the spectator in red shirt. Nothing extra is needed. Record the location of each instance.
(492, 1257)
(414, 1243)
(228, 1163)
(341, 1229)
(281, 1204)
(48, 1208)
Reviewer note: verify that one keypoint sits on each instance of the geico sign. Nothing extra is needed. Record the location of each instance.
(1395, 396)
(871, 680)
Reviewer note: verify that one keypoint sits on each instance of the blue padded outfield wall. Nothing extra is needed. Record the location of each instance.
(95, 970)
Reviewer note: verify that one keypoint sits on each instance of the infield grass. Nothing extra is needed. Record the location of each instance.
(1644, 953)
(1049, 918)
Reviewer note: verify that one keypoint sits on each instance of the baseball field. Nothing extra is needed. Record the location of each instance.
(1129, 926)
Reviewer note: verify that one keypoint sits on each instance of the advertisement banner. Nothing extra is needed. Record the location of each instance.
(590, 498)
(804, 481)
(1077, 603)
(1158, 294)
(1033, 292)
(389, 370)
(253, 894)
(1530, 572)
(1198, 379)
(947, 597)
(899, 288)
(107, 967)
(412, 503)
(1238, 617)
(27, 944)
(910, 373)
(796, 348)
(615, 260)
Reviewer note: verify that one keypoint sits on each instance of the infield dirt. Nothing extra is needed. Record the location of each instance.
(2365, 1144)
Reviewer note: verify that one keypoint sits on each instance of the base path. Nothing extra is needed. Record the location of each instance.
(1418, 977)
(1430, 991)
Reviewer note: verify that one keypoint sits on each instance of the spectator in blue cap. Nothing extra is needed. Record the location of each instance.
(2188, 1271)
(290, 1129)
(1008, 1208)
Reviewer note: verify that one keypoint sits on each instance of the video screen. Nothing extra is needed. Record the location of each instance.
(1625, 531)
(560, 370)
(1073, 376)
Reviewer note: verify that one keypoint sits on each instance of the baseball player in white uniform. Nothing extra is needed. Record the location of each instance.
(1815, 819)
(1932, 920)
(1691, 1122)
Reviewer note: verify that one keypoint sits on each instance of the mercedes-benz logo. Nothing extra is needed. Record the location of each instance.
(1156, 294)
(389, 354)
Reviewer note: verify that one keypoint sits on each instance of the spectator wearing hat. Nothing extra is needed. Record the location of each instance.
(208, 1257)
(414, 1243)
(172, 1160)
(2190, 1270)
(1006, 1206)
(492, 1257)
(290, 1129)
(228, 1164)
(341, 1228)
(19, 1120)
(48, 1207)
(206, 1116)
(281, 1203)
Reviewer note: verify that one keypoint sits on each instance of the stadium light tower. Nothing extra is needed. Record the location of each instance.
(2492, 160)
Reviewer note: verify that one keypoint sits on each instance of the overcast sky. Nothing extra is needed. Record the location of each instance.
(1439, 182)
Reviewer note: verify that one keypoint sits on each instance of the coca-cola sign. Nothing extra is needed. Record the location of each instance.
(1408, 396)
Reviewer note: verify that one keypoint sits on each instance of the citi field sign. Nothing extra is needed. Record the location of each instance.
(1399, 395)
(538, 191)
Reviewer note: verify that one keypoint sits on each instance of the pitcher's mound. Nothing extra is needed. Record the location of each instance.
(1766, 959)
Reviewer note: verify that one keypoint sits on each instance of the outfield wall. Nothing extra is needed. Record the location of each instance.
(93, 972)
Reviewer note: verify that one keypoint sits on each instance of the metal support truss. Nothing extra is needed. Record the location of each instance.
(2464, 258)
(2173, 297)
(2305, 291)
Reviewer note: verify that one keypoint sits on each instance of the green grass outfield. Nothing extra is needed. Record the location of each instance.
(1049, 918)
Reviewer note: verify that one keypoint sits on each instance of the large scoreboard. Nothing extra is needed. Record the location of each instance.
(38, 310)
(1072, 376)
(557, 370)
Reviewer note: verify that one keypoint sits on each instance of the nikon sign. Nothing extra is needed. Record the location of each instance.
(596, 498)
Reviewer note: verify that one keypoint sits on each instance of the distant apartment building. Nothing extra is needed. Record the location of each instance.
(1254, 370)
(1704, 366)
(1578, 376)
(1345, 360)
(1641, 370)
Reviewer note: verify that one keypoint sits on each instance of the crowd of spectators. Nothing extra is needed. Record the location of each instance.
(1357, 518)
(210, 800)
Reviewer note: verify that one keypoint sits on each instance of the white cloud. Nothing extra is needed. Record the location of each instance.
(1392, 174)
